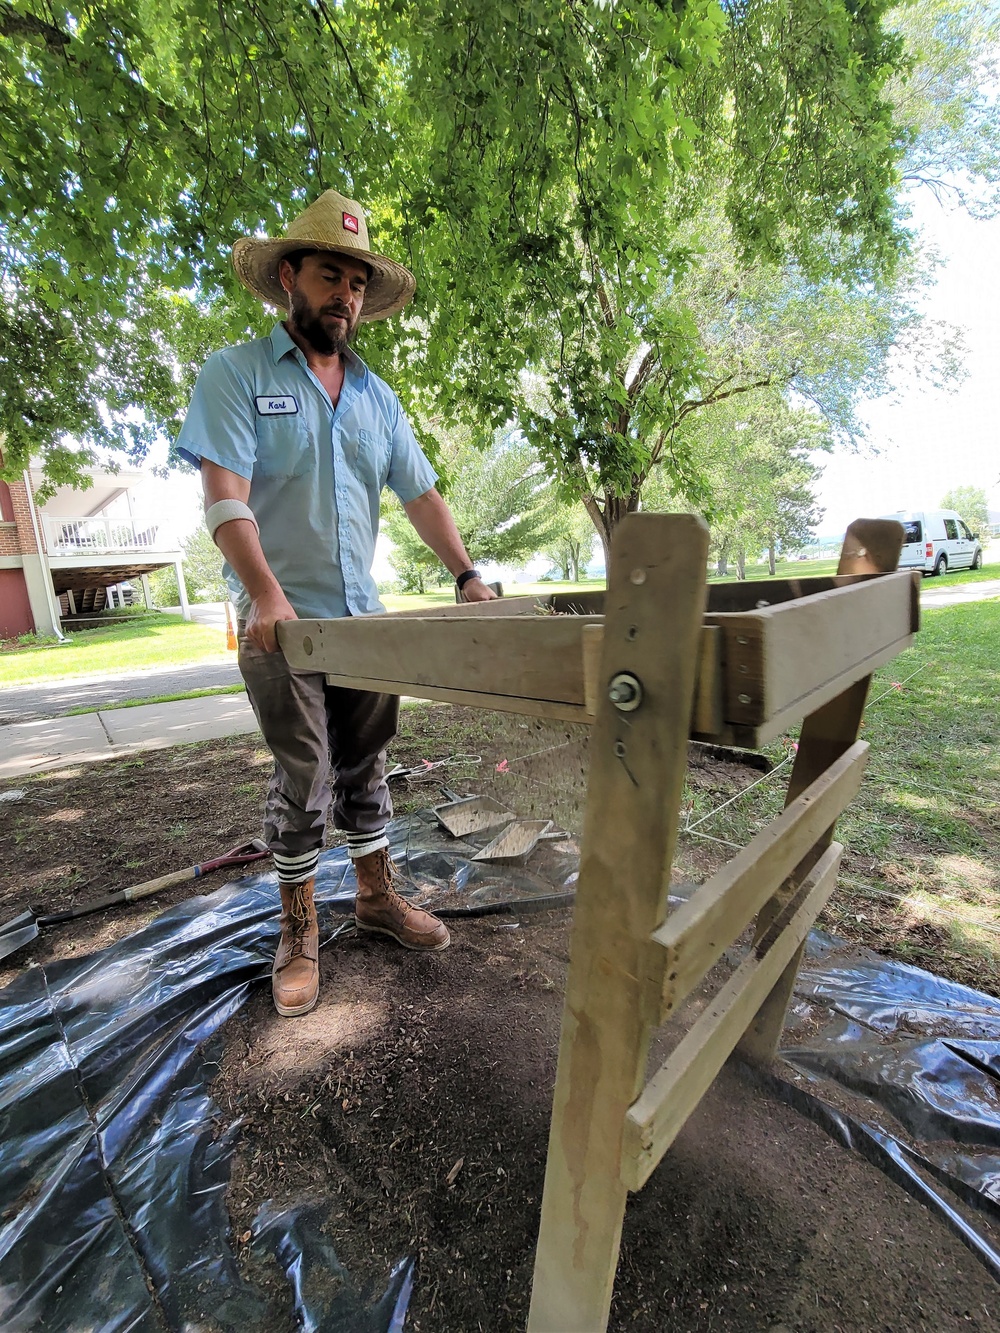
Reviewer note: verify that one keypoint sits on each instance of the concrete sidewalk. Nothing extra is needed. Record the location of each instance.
(50, 743)
(937, 594)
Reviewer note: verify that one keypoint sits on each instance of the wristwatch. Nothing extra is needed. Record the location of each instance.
(463, 579)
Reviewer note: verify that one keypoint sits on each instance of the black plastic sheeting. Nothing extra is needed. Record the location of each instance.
(920, 1056)
(112, 1170)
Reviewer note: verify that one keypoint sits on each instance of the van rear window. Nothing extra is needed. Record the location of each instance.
(912, 532)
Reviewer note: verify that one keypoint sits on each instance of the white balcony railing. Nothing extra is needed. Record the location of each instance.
(103, 536)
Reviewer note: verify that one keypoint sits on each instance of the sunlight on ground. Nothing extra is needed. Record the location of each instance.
(911, 801)
(333, 1026)
(966, 873)
(65, 816)
(52, 875)
(954, 879)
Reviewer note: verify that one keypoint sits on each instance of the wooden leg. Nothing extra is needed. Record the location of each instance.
(826, 735)
(654, 608)
(870, 546)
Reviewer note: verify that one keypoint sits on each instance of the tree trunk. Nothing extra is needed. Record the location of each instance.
(597, 517)
(722, 563)
(606, 517)
(770, 558)
(741, 563)
(574, 550)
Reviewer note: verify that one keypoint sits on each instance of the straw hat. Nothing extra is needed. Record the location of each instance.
(335, 223)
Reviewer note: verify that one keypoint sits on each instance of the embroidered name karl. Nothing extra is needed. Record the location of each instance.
(276, 405)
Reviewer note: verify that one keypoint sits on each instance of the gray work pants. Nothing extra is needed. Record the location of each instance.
(329, 750)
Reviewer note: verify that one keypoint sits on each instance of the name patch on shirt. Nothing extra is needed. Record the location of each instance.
(276, 405)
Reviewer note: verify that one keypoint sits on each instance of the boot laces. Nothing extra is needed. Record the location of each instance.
(298, 912)
(388, 886)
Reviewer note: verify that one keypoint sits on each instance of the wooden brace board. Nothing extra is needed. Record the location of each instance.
(716, 914)
(654, 1120)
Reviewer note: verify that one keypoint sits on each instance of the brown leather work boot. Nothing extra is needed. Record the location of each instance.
(295, 975)
(380, 908)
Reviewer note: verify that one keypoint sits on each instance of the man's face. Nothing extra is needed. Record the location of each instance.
(326, 296)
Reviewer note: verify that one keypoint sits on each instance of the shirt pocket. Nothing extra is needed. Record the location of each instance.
(367, 454)
(285, 447)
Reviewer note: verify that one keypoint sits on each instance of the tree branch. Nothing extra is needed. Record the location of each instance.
(642, 375)
(606, 309)
(13, 24)
(693, 404)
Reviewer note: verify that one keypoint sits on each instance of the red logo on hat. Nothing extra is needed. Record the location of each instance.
(350, 223)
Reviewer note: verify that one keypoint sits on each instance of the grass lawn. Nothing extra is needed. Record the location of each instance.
(783, 569)
(159, 640)
(239, 688)
(921, 874)
(990, 570)
(801, 569)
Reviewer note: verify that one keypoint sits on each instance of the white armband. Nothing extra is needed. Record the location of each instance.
(223, 511)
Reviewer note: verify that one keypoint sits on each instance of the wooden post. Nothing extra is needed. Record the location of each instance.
(871, 546)
(638, 757)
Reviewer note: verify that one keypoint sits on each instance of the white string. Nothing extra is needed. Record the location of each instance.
(721, 841)
(550, 749)
(896, 685)
(712, 813)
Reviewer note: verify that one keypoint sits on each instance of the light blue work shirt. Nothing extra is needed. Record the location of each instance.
(315, 472)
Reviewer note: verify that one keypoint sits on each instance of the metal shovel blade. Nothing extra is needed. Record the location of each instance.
(516, 842)
(16, 933)
(471, 814)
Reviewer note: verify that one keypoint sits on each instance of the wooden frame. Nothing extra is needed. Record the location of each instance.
(666, 660)
(758, 671)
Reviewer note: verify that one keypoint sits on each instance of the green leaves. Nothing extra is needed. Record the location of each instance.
(554, 171)
(502, 501)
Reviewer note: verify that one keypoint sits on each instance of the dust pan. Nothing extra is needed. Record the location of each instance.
(471, 814)
(516, 842)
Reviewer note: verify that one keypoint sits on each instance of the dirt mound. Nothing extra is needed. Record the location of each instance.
(415, 1102)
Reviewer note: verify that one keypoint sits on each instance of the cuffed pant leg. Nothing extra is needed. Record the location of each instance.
(290, 707)
(361, 725)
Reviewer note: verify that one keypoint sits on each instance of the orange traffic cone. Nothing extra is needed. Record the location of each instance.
(231, 642)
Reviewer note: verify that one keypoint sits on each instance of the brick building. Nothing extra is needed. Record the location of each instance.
(64, 559)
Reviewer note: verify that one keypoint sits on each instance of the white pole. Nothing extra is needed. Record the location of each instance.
(182, 589)
(43, 560)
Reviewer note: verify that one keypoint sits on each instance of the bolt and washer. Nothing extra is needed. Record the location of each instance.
(625, 692)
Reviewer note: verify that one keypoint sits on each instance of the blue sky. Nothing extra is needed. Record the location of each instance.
(922, 441)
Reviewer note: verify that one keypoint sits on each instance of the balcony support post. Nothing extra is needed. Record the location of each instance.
(182, 589)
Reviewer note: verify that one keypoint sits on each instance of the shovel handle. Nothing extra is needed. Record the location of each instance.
(250, 851)
(152, 886)
(116, 899)
(236, 856)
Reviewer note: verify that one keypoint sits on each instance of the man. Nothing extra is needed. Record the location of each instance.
(295, 439)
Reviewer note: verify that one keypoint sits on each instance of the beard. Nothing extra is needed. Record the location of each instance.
(323, 338)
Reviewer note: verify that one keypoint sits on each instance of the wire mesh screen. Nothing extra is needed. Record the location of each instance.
(531, 771)
(542, 772)
(526, 767)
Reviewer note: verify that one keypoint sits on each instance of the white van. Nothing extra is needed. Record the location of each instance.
(936, 540)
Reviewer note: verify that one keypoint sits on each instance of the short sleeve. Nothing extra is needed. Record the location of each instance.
(220, 423)
(410, 473)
